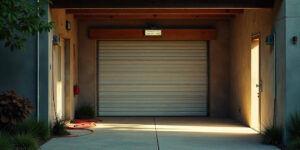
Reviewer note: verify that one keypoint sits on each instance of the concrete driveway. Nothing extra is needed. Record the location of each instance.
(163, 133)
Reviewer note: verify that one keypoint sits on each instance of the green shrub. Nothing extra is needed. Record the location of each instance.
(294, 144)
(38, 130)
(272, 135)
(294, 132)
(84, 112)
(5, 142)
(59, 128)
(25, 142)
(42, 130)
(13, 109)
(294, 127)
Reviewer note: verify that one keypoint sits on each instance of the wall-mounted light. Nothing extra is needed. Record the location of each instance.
(153, 32)
(68, 25)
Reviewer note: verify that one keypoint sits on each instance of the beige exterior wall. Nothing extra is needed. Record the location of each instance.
(242, 27)
(284, 20)
(69, 38)
(218, 55)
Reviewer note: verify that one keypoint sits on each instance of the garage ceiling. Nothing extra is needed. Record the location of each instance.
(135, 13)
(163, 3)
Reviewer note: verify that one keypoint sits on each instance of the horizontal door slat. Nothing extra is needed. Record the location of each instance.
(144, 109)
(158, 62)
(171, 88)
(164, 58)
(174, 101)
(133, 113)
(156, 105)
(144, 93)
(139, 50)
(151, 54)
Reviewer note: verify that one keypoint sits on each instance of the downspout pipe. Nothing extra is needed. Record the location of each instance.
(38, 69)
(275, 81)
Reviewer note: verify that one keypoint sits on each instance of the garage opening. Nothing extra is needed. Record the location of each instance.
(152, 78)
(123, 72)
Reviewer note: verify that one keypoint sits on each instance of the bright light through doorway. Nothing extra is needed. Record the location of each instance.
(255, 117)
(59, 100)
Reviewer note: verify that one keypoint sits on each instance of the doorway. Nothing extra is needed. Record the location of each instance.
(256, 83)
(59, 78)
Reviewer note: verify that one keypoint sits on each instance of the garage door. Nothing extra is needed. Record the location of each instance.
(152, 78)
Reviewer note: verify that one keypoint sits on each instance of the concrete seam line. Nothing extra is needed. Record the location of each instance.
(157, 141)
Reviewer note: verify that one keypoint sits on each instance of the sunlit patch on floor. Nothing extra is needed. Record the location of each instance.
(178, 128)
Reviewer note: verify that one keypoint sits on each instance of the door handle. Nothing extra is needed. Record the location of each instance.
(260, 85)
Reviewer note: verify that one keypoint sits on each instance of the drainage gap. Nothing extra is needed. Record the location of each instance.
(157, 141)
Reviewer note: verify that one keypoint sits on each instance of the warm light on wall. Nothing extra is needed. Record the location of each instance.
(255, 123)
(59, 102)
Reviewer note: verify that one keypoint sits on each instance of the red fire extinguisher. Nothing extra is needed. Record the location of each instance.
(76, 89)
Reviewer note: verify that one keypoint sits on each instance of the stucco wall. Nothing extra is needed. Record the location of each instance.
(69, 37)
(280, 27)
(219, 63)
(242, 27)
(19, 72)
(284, 19)
(292, 57)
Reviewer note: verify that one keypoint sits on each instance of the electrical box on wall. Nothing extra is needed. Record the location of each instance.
(68, 25)
(56, 40)
(270, 39)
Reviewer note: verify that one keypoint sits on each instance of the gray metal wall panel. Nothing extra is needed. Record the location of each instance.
(152, 78)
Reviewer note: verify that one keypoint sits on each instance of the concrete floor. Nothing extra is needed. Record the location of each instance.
(163, 133)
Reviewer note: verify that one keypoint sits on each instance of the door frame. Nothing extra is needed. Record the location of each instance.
(68, 87)
(253, 37)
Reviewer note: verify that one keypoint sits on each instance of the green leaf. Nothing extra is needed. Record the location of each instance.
(19, 18)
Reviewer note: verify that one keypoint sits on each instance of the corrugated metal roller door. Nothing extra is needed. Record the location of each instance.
(152, 78)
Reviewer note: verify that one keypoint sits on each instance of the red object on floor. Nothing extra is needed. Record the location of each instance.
(83, 123)
(86, 121)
